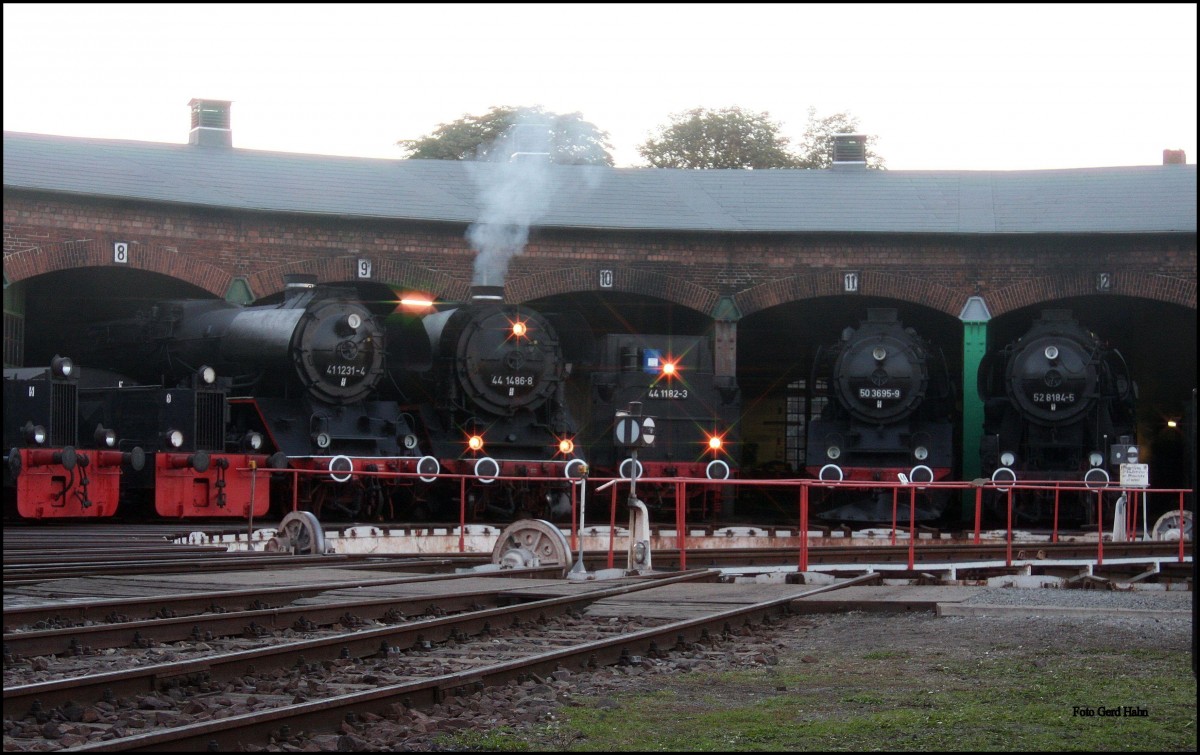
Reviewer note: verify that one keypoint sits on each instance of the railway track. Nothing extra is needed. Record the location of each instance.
(286, 689)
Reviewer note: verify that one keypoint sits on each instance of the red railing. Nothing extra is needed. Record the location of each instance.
(1137, 499)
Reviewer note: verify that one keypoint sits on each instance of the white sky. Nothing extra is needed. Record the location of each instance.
(990, 87)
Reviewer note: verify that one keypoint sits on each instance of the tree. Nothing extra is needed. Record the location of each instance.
(725, 138)
(816, 146)
(568, 138)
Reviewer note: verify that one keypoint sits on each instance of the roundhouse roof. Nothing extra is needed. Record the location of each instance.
(1118, 200)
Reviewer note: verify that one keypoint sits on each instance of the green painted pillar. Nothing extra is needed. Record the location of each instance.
(975, 316)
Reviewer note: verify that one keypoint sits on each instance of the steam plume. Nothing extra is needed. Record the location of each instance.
(515, 188)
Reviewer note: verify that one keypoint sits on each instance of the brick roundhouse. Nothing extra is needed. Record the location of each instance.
(771, 264)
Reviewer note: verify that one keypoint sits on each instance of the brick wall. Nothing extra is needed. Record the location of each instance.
(210, 248)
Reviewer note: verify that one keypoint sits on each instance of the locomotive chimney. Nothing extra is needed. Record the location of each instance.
(1174, 157)
(295, 284)
(487, 293)
(210, 123)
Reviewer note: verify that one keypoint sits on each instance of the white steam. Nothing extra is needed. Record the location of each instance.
(517, 182)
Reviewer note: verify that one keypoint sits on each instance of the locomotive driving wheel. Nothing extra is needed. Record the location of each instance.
(300, 533)
(531, 542)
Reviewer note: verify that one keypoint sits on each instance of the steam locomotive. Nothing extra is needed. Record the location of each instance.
(888, 415)
(671, 380)
(291, 384)
(1059, 405)
(53, 469)
(492, 405)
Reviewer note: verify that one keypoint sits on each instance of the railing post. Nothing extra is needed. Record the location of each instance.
(803, 527)
(1054, 531)
(462, 514)
(895, 495)
(1009, 535)
(612, 526)
(681, 522)
(912, 527)
(978, 512)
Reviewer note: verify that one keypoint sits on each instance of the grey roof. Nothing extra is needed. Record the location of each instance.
(1144, 199)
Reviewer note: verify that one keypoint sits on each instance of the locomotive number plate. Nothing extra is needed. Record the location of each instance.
(670, 393)
(879, 393)
(517, 380)
(346, 370)
(1054, 398)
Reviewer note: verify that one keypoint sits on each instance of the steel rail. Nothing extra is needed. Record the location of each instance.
(361, 643)
(229, 733)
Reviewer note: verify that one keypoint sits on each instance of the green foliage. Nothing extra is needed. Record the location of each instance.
(725, 138)
(569, 139)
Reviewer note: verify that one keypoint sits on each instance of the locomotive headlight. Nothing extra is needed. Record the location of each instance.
(475, 443)
(253, 440)
(1095, 458)
(349, 325)
(519, 329)
(920, 453)
(35, 435)
(208, 375)
(1131, 455)
(1007, 459)
(410, 442)
(1051, 353)
(322, 440)
(833, 452)
(62, 366)
(879, 353)
(668, 368)
(715, 443)
(105, 437)
(566, 446)
(175, 439)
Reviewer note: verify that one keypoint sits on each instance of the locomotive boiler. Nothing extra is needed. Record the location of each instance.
(1059, 406)
(301, 374)
(888, 416)
(492, 405)
(58, 466)
(672, 379)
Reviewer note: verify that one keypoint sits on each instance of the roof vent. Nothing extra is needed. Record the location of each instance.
(849, 151)
(530, 142)
(210, 123)
(1174, 157)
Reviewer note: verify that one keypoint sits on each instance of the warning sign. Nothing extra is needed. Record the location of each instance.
(1135, 475)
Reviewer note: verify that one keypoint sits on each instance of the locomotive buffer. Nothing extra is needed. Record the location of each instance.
(633, 431)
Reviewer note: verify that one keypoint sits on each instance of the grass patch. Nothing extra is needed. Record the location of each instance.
(996, 702)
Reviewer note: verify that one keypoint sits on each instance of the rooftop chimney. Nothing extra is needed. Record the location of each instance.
(210, 123)
(1174, 157)
(530, 141)
(849, 151)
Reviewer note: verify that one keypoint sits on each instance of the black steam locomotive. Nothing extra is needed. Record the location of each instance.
(888, 416)
(492, 405)
(671, 380)
(294, 380)
(1059, 405)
